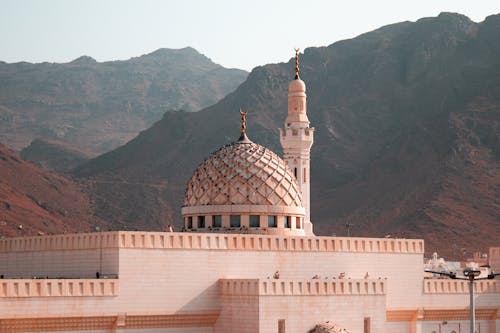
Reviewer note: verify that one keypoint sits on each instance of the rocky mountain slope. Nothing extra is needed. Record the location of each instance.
(55, 155)
(99, 106)
(407, 141)
(33, 200)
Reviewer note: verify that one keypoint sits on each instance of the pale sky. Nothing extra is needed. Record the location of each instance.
(240, 34)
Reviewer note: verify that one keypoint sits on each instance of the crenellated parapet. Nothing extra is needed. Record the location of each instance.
(310, 287)
(93, 240)
(59, 287)
(447, 286)
(196, 241)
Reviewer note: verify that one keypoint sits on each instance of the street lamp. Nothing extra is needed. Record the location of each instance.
(472, 276)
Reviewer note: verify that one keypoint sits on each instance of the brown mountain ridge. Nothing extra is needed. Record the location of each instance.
(99, 106)
(407, 122)
(35, 201)
(407, 140)
(57, 155)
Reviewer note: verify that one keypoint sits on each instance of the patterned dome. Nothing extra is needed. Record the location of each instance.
(243, 173)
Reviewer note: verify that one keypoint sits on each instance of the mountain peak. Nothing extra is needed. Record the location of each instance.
(453, 16)
(84, 59)
(166, 52)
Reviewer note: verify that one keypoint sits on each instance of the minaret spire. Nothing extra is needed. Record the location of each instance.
(297, 70)
(297, 138)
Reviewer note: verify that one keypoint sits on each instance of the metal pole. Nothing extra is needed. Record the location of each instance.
(472, 307)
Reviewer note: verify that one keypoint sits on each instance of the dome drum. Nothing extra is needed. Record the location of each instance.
(252, 223)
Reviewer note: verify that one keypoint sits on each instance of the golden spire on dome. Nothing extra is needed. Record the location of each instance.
(297, 70)
(243, 121)
(243, 137)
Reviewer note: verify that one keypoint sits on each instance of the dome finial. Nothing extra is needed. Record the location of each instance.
(297, 70)
(243, 121)
(243, 137)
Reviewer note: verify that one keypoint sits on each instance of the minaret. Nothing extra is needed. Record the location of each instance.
(297, 138)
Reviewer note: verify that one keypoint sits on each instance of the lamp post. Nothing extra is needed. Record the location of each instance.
(471, 276)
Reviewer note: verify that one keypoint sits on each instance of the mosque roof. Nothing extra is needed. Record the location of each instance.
(243, 173)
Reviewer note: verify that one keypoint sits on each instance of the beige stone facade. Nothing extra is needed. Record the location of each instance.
(195, 282)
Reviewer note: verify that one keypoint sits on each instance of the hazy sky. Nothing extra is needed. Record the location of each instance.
(233, 33)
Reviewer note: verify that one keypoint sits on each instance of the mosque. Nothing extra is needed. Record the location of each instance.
(247, 262)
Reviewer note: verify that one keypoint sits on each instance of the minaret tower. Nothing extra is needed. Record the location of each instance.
(297, 138)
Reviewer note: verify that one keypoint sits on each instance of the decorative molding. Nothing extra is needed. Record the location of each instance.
(195, 241)
(426, 314)
(447, 286)
(59, 287)
(94, 240)
(311, 287)
(107, 322)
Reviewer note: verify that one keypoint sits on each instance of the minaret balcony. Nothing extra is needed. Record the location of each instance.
(296, 134)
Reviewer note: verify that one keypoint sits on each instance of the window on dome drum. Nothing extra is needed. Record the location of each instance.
(254, 221)
(305, 175)
(288, 224)
(295, 172)
(217, 221)
(190, 222)
(271, 221)
(235, 221)
(201, 221)
(298, 224)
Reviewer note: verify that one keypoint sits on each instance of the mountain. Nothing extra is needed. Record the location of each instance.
(55, 155)
(33, 200)
(407, 138)
(99, 106)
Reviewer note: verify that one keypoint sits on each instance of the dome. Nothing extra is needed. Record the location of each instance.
(243, 173)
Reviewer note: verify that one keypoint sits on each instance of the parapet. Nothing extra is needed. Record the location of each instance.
(447, 286)
(58, 287)
(310, 287)
(93, 240)
(197, 241)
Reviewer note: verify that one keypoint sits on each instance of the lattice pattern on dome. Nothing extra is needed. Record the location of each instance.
(243, 174)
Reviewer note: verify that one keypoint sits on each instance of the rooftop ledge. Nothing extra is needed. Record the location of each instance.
(59, 287)
(211, 241)
(447, 286)
(310, 287)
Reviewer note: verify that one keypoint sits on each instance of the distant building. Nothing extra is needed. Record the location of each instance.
(248, 263)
